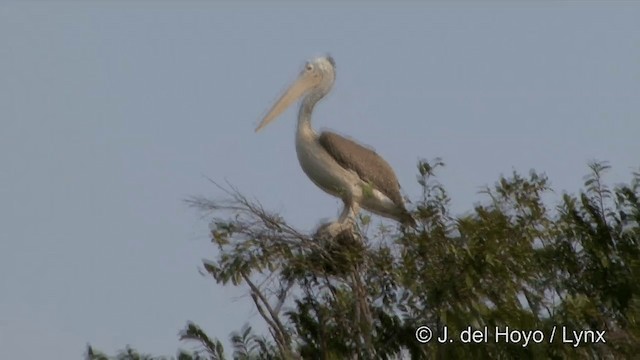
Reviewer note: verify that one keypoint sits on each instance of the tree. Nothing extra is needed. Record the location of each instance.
(514, 261)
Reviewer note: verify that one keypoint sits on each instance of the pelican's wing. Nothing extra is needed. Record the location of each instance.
(365, 162)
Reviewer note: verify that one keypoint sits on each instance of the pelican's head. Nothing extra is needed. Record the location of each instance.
(316, 78)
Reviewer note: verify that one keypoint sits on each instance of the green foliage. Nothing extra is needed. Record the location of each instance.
(212, 348)
(513, 261)
(131, 354)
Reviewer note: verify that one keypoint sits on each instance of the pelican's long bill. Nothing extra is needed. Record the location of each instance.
(303, 83)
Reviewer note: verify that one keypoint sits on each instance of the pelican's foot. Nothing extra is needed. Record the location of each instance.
(334, 229)
(346, 231)
(340, 247)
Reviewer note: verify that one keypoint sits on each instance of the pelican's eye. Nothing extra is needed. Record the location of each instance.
(309, 67)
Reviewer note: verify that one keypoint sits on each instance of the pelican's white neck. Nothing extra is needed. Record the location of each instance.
(306, 108)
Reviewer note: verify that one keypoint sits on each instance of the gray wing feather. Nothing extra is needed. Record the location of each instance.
(370, 166)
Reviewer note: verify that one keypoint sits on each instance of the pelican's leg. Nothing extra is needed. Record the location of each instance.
(336, 227)
(346, 213)
(352, 223)
(349, 215)
(354, 209)
(344, 222)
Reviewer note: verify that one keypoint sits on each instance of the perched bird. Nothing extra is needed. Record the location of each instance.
(339, 166)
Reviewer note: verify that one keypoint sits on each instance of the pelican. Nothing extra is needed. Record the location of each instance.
(339, 166)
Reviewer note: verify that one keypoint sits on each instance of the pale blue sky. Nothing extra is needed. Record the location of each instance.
(112, 113)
